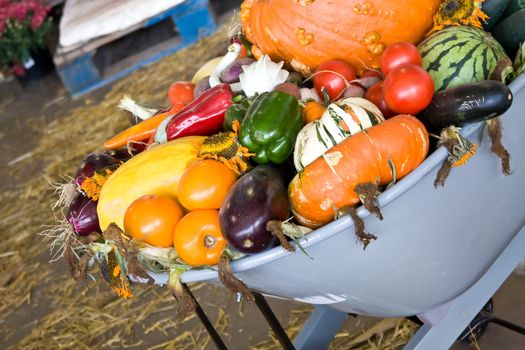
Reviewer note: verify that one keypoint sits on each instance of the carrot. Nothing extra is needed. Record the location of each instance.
(380, 154)
(138, 132)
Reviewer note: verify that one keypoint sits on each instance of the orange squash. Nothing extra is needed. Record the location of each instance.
(305, 33)
(313, 110)
(327, 184)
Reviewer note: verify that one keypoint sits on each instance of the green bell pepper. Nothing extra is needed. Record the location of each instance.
(236, 111)
(270, 127)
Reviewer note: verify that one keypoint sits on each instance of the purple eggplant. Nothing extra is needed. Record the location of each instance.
(82, 215)
(93, 162)
(257, 197)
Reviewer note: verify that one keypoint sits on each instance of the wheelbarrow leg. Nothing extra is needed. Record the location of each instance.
(442, 331)
(320, 328)
(272, 320)
(483, 319)
(215, 337)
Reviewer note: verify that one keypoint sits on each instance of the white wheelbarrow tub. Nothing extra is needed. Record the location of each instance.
(433, 244)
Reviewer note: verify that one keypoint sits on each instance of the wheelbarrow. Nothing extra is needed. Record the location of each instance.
(440, 253)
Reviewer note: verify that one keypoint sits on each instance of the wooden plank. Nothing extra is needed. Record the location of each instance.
(65, 54)
(62, 56)
(193, 20)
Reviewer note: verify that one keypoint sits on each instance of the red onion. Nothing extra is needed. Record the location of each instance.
(202, 85)
(354, 90)
(290, 89)
(231, 73)
(367, 82)
(82, 215)
(93, 162)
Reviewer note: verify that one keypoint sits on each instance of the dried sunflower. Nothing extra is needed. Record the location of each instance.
(459, 12)
(226, 148)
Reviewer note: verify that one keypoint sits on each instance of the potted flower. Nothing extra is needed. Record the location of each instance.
(24, 26)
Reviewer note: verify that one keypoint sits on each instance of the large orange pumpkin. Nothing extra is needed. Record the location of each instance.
(305, 33)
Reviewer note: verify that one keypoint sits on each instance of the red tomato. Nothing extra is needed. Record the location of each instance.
(152, 219)
(398, 54)
(181, 92)
(198, 238)
(335, 82)
(372, 73)
(408, 89)
(374, 94)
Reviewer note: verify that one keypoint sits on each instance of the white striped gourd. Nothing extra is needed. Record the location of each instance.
(341, 119)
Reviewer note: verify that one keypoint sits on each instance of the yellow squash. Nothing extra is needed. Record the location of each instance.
(155, 171)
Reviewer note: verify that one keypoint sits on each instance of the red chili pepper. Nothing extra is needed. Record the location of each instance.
(203, 116)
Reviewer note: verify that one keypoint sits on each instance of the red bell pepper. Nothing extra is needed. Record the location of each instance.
(203, 116)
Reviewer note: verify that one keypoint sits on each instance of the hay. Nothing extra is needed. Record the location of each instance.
(65, 137)
(88, 315)
(385, 334)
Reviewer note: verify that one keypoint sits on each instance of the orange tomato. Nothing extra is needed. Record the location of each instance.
(181, 92)
(198, 238)
(204, 184)
(152, 219)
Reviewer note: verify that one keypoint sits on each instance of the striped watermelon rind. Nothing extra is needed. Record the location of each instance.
(460, 54)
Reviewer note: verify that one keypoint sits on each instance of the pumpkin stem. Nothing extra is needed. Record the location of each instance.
(276, 229)
(229, 280)
(494, 131)
(362, 236)
(368, 194)
(442, 174)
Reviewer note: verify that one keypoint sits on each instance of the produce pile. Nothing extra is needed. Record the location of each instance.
(284, 134)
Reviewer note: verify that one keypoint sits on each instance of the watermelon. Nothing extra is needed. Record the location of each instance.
(460, 55)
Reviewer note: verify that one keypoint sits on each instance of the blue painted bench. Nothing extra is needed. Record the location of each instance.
(193, 20)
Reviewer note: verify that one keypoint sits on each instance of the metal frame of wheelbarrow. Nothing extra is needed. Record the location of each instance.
(440, 328)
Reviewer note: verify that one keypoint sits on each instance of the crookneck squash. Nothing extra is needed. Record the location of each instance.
(154, 171)
(305, 33)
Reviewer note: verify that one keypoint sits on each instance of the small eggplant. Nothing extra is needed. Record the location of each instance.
(82, 215)
(257, 197)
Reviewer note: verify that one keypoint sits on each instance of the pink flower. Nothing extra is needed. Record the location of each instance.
(19, 11)
(37, 21)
